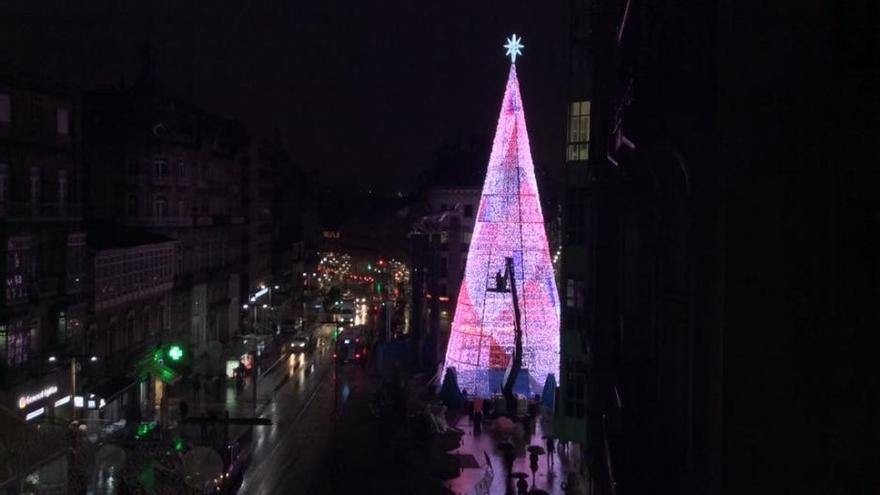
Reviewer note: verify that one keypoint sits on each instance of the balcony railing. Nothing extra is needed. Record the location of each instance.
(27, 211)
(161, 222)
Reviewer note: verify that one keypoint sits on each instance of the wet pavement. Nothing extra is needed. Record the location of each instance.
(309, 394)
(488, 476)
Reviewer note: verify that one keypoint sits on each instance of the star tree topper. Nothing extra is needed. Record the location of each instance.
(514, 48)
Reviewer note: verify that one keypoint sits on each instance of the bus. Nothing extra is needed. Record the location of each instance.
(351, 347)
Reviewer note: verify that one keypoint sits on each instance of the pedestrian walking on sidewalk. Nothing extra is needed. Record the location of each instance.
(551, 450)
(478, 416)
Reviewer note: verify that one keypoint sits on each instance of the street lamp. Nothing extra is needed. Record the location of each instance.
(73, 366)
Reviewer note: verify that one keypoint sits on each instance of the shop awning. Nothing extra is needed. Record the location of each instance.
(109, 389)
(150, 365)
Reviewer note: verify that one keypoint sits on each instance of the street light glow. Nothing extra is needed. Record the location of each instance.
(52, 359)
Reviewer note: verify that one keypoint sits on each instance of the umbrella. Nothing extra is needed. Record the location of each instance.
(519, 475)
(537, 491)
(536, 449)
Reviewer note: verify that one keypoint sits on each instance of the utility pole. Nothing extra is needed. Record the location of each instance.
(73, 389)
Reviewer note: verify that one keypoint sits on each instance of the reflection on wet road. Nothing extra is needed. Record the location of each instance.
(307, 395)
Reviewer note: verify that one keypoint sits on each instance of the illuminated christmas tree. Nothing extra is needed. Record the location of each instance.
(510, 224)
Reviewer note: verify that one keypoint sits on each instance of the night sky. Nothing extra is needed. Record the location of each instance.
(361, 91)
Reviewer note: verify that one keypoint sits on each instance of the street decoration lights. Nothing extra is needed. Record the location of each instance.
(509, 223)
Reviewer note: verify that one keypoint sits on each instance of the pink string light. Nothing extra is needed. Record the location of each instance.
(509, 223)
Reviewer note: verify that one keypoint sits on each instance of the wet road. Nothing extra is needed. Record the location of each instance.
(308, 394)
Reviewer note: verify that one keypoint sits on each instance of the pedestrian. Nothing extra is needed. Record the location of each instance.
(478, 416)
(551, 450)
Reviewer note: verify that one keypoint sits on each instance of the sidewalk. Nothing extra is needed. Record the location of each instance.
(478, 477)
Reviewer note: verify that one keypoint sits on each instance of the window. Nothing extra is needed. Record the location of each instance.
(76, 253)
(4, 181)
(468, 211)
(578, 131)
(160, 207)
(160, 168)
(35, 185)
(62, 327)
(5, 109)
(62, 186)
(575, 318)
(575, 392)
(37, 114)
(19, 269)
(62, 121)
(131, 206)
(18, 344)
(578, 212)
(574, 294)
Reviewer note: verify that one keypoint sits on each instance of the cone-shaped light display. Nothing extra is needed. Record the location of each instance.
(509, 223)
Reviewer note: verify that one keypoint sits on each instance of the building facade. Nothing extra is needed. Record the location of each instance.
(42, 308)
(131, 296)
(163, 165)
(439, 247)
(718, 224)
(577, 260)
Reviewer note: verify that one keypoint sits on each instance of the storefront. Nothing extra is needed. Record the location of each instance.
(41, 398)
(111, 400)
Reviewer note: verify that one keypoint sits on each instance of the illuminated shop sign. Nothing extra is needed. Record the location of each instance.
(26, 400)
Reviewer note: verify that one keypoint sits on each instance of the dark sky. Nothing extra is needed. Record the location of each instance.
(361, 90)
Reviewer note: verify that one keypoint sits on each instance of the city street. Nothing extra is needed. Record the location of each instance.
(303, 407)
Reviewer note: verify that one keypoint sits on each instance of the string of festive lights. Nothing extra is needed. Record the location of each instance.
(509, 223)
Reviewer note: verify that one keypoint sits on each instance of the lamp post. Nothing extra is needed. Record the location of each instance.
(73, 370)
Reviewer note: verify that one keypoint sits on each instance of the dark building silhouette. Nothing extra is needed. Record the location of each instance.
(720, 246)
(43, 310)
(161, 164)
(444, 222)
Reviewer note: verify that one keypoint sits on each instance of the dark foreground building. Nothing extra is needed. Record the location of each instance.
(728, 238)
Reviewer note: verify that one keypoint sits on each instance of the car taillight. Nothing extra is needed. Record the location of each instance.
(334, 355)
(357, 356)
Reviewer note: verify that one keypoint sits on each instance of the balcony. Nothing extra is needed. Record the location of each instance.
(40, 212)
(185, 221)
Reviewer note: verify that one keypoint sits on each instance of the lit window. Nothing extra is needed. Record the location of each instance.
(574, 294)
(63, 121)
(5, 109)
(578, 131)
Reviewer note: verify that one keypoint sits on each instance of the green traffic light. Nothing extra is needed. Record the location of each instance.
(175, 352)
